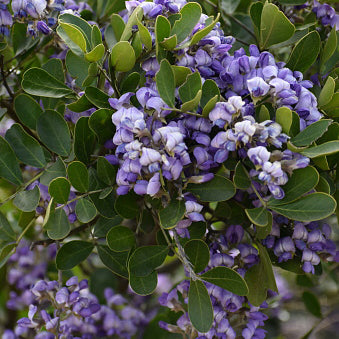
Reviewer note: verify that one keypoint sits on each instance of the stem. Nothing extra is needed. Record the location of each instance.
(79, 197)
(4, 77)
(24, 231)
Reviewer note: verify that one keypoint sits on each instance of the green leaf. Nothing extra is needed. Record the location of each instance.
(190, 16)
(200, 309)
(120, 238)
(81, 105)
(305, 52)
(172, 214)
(209, 91)
(80, 23)
(127, 205)
(54, 133)
(58, 169)
(241, 178)
(27, 201)
(73, 253)
(255, 14)
(103, 225)
(78, 176)
(162, 31)
(97, 97)
(327, 92)
(203, 32)
(145, 259)
(59, 189)
(130, 83)
(26, 148)
(55, 68)
(302, 181)
(101, 123)
(192, 104)
(311, 133)
(37, 81)
(190, 88)
(84, 140)
(132, 21)
(312, 304)
(274, 26)
(123, 56)
(58, 225)
(9, 167)
(323, 149)
(77, 67)
(85, 210)
(292, 2)
(6, 232)
(27, 110)
(209, 106)
(315, 206)
(106, 171)
(6, 252)
(144, 285)
(264, 114)
(169, 43)
(145, 36)
(115, 261)
(72, 37)
(260, 278)
(258, 216)
(329, 48)
(166, 83)
(332, 108)
(263, 232)
(198, 254)
(96, 38)
(284, 118)
(218, 189)
(96, 53)
(227, 279)
(118, 26)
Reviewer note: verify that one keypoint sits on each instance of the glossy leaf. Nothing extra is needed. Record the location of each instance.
(315, 206)
(200, 309)
(127, 206)
(258, 216)
(327, 92)
(58, 169)
(115, 261)
(27, 201)
(274, 26)
(58, 225)
(323, 149)
(284, 117)
(330, 47)
(227, 279)
(209, 90)
(218, 189)
(85, 210)
(101, 123)
(120, 238)
(190, 16)
(72, 37)
(37, 81)
(305, 52)
(260, 278)
(198, 254)
(84, 140)
(144, 285)
(59, 189)
(103, 225)
(106, 171)
(97, 97)
(26, 148)
(27, 110)
(78, 176)
(145, 259)
(9, 167)
(96, 53)
(311, 133)
(172, 214)
(203, 32)
(73, 253)
(190, 88)
(132, 21)
(166, 83)
(302, 181)
(54, 133)
(6, 231)
(241, 178)
(123, 56)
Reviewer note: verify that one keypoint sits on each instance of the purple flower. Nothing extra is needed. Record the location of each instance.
(257, 87)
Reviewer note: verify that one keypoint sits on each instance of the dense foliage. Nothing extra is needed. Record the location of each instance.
(157, 157)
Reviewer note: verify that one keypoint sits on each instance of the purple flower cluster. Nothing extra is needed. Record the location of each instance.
(227, 250)
(326, 14)
(76, 312)
(308, 241)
